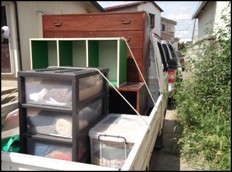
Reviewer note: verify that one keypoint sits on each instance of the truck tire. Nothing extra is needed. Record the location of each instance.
(159, 139)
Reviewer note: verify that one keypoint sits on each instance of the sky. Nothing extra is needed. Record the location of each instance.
(179, 11)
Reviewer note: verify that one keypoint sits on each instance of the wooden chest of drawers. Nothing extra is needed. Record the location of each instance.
(133, 26)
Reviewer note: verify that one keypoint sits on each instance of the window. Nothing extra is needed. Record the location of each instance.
(9, 48)
(152, 20)
(163, 57)
(172, 51)
(162, 27)
(166, 51)
(5, 53)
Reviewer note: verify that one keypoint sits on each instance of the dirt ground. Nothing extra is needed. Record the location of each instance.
(168, 157)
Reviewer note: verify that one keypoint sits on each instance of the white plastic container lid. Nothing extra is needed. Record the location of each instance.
(118, 126)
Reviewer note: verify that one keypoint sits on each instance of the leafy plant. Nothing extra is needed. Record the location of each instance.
(203, 104)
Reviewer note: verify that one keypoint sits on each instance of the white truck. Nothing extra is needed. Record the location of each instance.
(138, 158)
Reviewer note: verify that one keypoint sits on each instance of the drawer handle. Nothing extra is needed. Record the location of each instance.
(128, 39)
(57, 24)
(126, 21)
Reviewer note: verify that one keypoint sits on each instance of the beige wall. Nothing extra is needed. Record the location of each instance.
(168, 34)
(30, 26)
(223, 7)
(30, 20)
(10, 80)
(206, 19)
(150, 8)
(210, 18)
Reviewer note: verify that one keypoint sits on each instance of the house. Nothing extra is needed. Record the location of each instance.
(168, 31)
(209, 16)
(24, 20)
(150, 7)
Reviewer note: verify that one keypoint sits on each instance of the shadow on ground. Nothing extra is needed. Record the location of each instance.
(167, 158)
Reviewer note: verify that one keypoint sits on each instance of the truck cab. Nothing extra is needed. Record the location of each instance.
(174, 67)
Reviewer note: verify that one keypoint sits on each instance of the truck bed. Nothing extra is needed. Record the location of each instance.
(143, 146)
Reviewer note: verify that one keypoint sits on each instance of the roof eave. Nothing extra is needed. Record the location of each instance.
(161, 10)
(169, 20)
(199, 9)
(97, 5)
(131, 5)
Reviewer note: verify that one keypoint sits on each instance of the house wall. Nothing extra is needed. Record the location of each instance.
(168, 33)
(175, 46)
(127, 9)
(206, 19)
(210, 17)
(30, 26)
(223, 8)
(30, 20)
(9, 80)
(150, 8)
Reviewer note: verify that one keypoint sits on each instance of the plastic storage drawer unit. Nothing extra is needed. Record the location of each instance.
(57, 108)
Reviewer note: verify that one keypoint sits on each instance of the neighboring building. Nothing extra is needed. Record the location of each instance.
(175, 43)
(168, 31)
(209, 16)
(149, 6)
(24, 19)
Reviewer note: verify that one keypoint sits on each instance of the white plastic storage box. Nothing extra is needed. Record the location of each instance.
(112, 139)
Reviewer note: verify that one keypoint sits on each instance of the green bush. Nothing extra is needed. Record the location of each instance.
(203, 104)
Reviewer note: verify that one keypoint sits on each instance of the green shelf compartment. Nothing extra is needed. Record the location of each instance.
(82, 52)
(111, 54)
(43, 53)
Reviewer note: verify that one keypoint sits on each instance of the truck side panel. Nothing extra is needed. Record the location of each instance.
(138, 158)
(12, 161)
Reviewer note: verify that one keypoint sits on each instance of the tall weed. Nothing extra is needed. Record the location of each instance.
(203, 104)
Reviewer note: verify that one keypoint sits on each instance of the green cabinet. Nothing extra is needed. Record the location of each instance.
(82, 52)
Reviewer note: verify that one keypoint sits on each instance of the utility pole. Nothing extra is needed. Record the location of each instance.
(193, 29)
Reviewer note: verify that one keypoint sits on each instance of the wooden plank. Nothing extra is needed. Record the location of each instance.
(95, 21)
(134, 38)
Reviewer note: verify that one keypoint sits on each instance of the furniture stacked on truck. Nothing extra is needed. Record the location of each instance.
(133, 26)
(57, 107)
(125, 136)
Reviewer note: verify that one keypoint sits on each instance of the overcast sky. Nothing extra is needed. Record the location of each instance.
(179, 11)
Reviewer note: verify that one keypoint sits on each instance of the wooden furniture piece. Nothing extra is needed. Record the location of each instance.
(134, 92)
(133, 26)
(82, 52)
